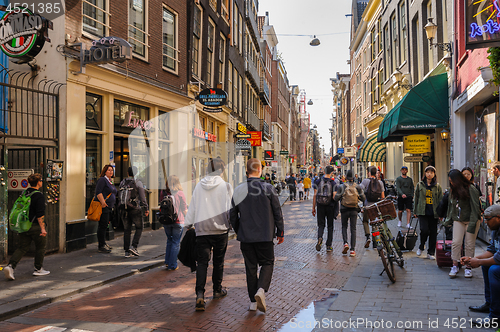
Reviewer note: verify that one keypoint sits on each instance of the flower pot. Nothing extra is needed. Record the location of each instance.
(486, 73)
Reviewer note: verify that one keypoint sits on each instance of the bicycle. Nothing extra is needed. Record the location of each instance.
(387, 247)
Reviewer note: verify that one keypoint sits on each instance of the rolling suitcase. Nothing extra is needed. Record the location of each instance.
(443, 253)
(406, 239)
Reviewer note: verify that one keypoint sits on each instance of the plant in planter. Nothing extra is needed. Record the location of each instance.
(494, 58)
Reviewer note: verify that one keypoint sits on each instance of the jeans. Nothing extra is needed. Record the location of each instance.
(132, 217)
(103, 225)
(24, 245)
(491, 276)
(366, 225)
(255, 254)
(351, 217)
(428, 230)
(325, 212)
(204, 246)
(292, 190)
(173, 233)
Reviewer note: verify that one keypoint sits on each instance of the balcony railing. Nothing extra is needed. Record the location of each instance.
(265, 95)
(252, 21)
(266, 134)
(252, 72)
(253, 119)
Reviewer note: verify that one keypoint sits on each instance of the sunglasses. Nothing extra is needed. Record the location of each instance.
(487, 219)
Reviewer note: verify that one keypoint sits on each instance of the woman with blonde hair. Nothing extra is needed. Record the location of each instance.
(174, 231)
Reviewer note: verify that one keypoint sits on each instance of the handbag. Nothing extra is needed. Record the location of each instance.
(406, 239)
(95, 210)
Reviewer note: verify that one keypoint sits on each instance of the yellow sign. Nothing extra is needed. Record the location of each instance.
(242, 128)
(417, 144)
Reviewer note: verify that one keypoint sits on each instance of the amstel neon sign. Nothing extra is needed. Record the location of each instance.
(482, 23)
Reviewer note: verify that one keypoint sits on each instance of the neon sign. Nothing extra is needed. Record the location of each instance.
(482, 23)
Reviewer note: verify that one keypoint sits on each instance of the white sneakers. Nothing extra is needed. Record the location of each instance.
(409, 226)
(419, 252)
(260, 297)
(431, 257)
(453, 272)
(468, 273)
(41, 272)
(9, 272)
(399, 223)
(253, 306)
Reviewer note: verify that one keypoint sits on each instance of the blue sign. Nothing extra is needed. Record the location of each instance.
(111, 155)
(340, 150)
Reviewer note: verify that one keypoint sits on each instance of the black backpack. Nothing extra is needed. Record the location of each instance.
(442, 208)
(167, 211)
(128, 195)
(324, 195)
(373, 192)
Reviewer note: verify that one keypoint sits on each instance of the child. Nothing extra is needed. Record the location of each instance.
(300, 188)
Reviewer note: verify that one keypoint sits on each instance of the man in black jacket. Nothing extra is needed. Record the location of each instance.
(257, 219)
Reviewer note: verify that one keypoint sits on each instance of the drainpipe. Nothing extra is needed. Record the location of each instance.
(453, 74)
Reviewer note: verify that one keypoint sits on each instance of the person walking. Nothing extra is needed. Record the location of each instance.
(464, 213)
(325, 190)
(428, 194)
(292, 183)
(307, 186)
(37, 232)
(133, 212)
(405, 189)
(300, 189)
(174, 231)
(105, 192)
(209, 213)
(374, 191)
(469, 175)
(349, 194)
(257, 219)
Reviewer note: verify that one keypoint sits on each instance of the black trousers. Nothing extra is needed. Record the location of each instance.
(102, 226)
(293, 192)
(326, 214)
(349, 217)
(428, 229)
(204, 246)
(255, 254)
(132, 217)
(24, 245)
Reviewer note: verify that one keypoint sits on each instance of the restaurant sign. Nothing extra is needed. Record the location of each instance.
(482, 26)
(212, 97)
(255, 138)
(417, 144)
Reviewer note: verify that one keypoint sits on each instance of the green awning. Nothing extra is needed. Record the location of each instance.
(423, 109)
(371, 150)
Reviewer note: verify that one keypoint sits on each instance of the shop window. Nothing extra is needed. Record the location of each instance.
(93, 165)
(95, 17)
(170, 50)
(129, 116)
(137, 29)
(93, 111)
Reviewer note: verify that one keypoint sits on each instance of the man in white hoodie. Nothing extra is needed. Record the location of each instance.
(209, 213)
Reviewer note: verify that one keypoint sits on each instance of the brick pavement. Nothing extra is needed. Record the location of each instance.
(164, 300)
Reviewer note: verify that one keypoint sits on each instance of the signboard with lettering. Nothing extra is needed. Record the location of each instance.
(340, 150)
(482, 26)
(242, 128)
(256, 138)
(417, 144)
(284, 152)
(243, 136)
(105, 50)
(212, 97)
(134, 122)
(243, 144)
(204, 135)
(416, 159)
(269, 155)
(18, 179)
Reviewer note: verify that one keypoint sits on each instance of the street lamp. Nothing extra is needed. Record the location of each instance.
(431, 30)
(314, 42)
(310, 102)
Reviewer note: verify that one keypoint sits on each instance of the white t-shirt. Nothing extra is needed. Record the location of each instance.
(300, 187)
(497, 187)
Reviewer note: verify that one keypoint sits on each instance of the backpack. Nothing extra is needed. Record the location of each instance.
(325, 192)
(19, 216)
(350, 197)
(167, 214)
(373, 192)
(442, 208)
(128, 195)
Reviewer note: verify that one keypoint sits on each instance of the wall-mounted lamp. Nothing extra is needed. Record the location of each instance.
(431, 30)
(445, 134)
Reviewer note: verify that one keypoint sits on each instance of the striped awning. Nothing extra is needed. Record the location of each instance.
(371, 150)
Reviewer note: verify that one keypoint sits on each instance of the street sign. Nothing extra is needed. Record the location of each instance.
(242, 136)
(243, 144)
(269, 155)
(340, 150)
(344, 161)
(285, 152)
(18, 179)
(416, 159)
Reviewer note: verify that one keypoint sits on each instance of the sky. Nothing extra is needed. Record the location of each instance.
(312, 67)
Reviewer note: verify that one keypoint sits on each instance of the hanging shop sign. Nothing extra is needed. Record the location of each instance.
(349, 152)
(340, 150)
(344, 161)
(204, 135)
(243, 144)
(23, 34)
(417, 144)
(105, 50)
(284, 152)
(18, 179)
(242, 128)
(482, 23)
(240, 136)
(212, 110)
(212, 97)
(417, 159)
(256, 138)
(131, 122)
(269, 155)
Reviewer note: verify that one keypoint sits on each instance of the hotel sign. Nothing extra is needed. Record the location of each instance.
(104, 50)
(482, 23)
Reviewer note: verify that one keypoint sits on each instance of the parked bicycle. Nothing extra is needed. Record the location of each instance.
(387, 247)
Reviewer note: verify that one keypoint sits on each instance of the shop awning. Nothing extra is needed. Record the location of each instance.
(422, 110)
(371, 150)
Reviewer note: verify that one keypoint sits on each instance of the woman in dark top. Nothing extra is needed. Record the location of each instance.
(105, 192)
(469, 175)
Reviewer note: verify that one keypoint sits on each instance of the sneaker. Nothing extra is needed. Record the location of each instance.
(346, 249)
(253, 306)
(419, 252)
(431, 257)
(200, 304)
(367, 243)
(399, 223)
(127, 254)
(221, 294)
(173, 269)
(352, 253)
(260, 297)
(329, 249)
(468, 273)
(318, 245)
(9, 272)
(134, 251)
(41, 272)
(453, 272)
(409, 226)
(104, 250)
(107, 246)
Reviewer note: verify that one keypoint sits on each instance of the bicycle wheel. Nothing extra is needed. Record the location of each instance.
(388, 266)
(397, 256)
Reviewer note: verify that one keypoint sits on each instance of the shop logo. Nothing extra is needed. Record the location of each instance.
(212, 97)
(135, 123)
(23, 34)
